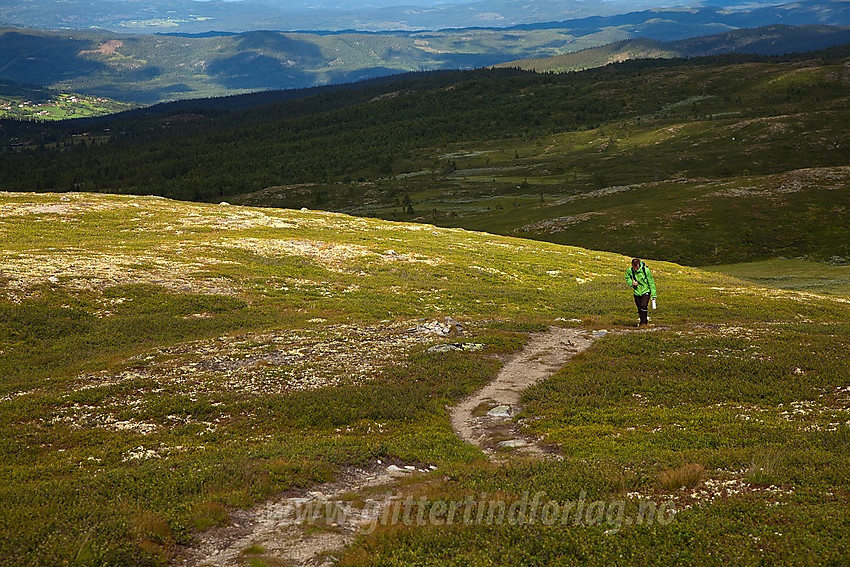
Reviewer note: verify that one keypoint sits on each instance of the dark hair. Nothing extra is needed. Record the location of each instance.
(636, 262)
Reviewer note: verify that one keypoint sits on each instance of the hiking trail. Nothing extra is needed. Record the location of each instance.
(278, 530)
(485, 418)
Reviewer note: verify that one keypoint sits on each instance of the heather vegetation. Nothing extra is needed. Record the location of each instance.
(165, 364)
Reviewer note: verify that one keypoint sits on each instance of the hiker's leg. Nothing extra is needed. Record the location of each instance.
(642, 302)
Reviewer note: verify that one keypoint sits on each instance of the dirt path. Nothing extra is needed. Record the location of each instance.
(485, 419)
(307, 527)
(304, 527)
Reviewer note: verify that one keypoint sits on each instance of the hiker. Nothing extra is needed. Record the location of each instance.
(643, 284)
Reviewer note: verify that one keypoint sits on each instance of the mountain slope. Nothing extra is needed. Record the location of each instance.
(768, 40)
(151, 69)
(555, 157)
(146, 69)
(168, 364)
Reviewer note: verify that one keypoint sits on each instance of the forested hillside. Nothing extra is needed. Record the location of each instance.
(501, 150)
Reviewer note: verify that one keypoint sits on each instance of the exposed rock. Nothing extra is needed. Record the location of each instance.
(449, 347)
(500, 411)
(397, 471)
(512, 443)
(437, 328)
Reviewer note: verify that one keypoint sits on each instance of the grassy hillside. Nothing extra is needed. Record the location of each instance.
(34, 103)
(798, 275)
(164, 362)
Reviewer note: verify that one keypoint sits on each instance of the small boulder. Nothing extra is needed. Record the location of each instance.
(393, 470)
(448, 347)
(500, 411)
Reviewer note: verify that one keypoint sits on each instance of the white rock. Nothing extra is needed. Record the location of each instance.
(500, 411)
(510, 443)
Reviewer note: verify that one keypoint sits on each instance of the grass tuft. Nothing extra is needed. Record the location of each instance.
(766, 468)
(254, 549)
(687, 476)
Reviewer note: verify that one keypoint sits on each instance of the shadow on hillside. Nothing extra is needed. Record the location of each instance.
(253, 70)
(276, 42)
(44, 60)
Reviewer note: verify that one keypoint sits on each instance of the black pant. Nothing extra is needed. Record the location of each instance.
(642, 302)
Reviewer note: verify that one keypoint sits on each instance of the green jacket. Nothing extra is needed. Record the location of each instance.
(644, 279)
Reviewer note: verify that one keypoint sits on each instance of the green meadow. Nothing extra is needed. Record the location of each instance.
(165, 363)
(800, 275)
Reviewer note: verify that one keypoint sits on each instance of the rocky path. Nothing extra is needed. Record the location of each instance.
(485, 419)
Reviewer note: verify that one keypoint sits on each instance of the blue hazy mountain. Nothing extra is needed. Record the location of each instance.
(190, 16)
(147, 68)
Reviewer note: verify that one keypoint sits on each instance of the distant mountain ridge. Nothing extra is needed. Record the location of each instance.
(191, 16)
(768, 40)
(676, 20)
(678, 23)
(147, 69)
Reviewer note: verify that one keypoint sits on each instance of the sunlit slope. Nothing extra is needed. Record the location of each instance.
(164, 361)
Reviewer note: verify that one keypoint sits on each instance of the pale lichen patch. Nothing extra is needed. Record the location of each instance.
(91, 271)
(273, 362)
